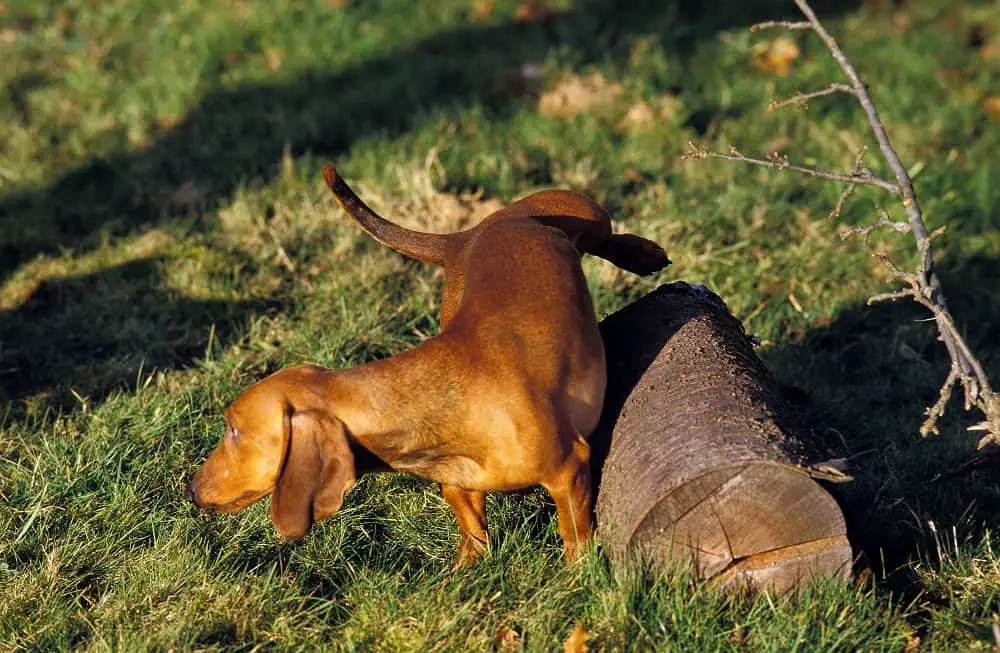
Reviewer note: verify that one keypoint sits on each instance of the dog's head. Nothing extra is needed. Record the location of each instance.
(298, 453)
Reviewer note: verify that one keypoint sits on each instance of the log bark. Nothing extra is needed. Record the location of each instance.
(704, 460)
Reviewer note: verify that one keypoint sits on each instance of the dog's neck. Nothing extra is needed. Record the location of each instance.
(384, 404)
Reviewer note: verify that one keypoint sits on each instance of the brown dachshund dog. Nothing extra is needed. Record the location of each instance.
(503, 398)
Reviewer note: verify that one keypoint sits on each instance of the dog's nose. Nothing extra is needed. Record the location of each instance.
(190, 493)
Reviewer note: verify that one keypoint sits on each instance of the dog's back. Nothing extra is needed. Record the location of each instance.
(533, 311)
(526, 275)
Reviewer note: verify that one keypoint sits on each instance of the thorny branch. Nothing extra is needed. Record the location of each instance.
(921, 285)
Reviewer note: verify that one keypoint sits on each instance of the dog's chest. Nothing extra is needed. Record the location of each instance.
(441, 467)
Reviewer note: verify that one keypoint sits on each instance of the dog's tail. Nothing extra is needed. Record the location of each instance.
(588, 226)
(427, 247)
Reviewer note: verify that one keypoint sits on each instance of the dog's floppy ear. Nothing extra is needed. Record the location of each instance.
(317, 472)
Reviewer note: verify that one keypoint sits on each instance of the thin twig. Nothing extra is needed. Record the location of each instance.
(890, 296)
(976, 462)
(783, 24)
(802, 98)
(884, 222)
(937, 410)
(859, 167)
(779, 161)
(283, 256)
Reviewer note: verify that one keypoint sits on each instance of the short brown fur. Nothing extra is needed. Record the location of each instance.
(503, 398)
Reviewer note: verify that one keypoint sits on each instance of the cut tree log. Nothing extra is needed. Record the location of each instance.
(704, 460)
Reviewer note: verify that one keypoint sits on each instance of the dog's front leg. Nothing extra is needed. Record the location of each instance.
(470, 509)
(570, 488)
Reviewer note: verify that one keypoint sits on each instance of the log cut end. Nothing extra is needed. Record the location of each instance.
(758, 523)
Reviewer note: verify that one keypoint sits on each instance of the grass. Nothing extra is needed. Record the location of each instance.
(165, 240)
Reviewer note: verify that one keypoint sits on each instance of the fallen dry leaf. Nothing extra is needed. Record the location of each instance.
(577, 640)
(642, 113)
(634, 176)
(455, 212)
(531, 11)
(168, 121)
(482, 11)
(901, 21)
(992, 106)
(506, 638)
(912, 644)
(776, 57)
(573, 94)
(990, 51)
(64, 17)
(273, 56)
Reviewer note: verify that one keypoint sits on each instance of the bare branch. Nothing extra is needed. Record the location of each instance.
(905, 185)
(839, 206)
(923, 285)
(883, 222)
(890, 296)
(802, 98)
(781, 24)
(780, 161)
(859, 167)
(937, 410)
(282, 255)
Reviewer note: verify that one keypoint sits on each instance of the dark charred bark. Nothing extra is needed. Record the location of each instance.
(703, 458)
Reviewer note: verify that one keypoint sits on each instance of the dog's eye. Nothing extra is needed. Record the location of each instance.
(232, 433)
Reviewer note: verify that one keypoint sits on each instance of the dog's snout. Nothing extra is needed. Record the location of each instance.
(190, 493)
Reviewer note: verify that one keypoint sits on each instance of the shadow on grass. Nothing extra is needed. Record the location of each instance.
(870, 375)
(238, 135)
(95, 332)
